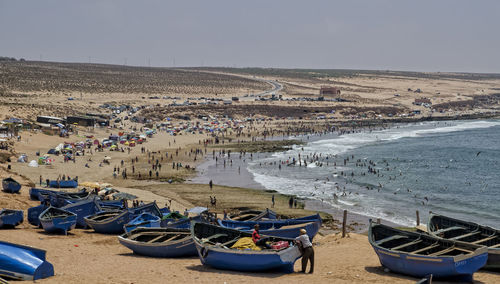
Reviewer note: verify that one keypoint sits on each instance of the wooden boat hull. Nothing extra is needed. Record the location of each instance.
(10, 218)
(34, 214)
(112, 224)
(10, 185)
(23, 263)
(254, 215)
(241, 260)
(63, 184)
(284, 229)
(144, 220)
(58, 224)
(421, 266)
(443, 227)
(457, 261)
(83, 209)
(179, 248)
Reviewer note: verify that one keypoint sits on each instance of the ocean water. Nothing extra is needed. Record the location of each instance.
(451, 168)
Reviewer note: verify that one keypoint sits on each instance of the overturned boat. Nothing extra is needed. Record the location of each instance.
(11, 185)
(468, 232)
(23, 262)
(420, 255)
(159, 242)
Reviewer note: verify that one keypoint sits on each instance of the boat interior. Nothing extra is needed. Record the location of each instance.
(214, 235)
(405, 242)
(157, 237)
(465, 232)
(104, 216)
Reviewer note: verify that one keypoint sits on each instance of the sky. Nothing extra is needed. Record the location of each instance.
(424, 35)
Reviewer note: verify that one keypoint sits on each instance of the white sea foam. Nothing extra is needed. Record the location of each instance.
(323, 191)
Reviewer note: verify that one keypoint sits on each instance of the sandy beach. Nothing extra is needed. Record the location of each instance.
(84, 256)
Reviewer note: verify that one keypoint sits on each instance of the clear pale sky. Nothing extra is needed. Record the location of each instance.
(423, 35)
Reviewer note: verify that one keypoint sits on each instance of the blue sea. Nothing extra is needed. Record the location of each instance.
(451, 168)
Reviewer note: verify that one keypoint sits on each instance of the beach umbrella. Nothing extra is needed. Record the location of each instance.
(124, 195)
(96, 142)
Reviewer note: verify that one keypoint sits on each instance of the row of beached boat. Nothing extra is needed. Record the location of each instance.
(450, 248)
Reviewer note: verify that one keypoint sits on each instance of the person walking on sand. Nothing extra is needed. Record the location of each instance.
(307, 250)
(272, 199)
(211, 184)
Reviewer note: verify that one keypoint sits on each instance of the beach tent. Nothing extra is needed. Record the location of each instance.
(33, 164)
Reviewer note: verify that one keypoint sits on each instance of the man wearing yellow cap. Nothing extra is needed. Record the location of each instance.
(307, 250)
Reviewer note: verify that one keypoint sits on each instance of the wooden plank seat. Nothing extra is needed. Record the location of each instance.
(213, 237)
(157, 238)
(395, 237)
(495, 246)
(406, 245)
(485, 239)
(441, 252)
(424, 249)
(449, 229)
(466, 235)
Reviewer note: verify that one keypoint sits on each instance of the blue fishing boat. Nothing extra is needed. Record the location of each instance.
(23, 263)
(468, 232)
(63, 183)
(159, 242)
(108, 222)
(57, 220)
(165, 211)
(253, 215)
(43, 194)
(10, 185)
(150, 208)
(214, 249)
(419, 255)
(111, 205)
(112, 222)
(279, 228)
(144, 220)
(10, 218)
(169, 219)
(34, 214)
(83, 209)
(34, 193)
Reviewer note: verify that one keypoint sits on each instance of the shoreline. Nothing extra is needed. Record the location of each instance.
(229, 177)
